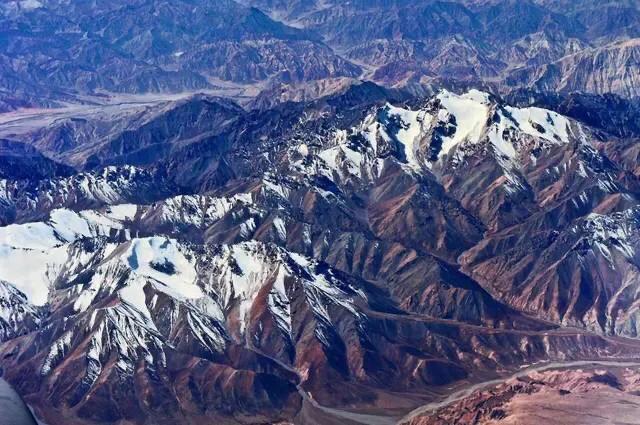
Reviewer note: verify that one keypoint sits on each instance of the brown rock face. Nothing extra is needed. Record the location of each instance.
(568, 396)
(611, 68)
(61, 52)
(338, 261)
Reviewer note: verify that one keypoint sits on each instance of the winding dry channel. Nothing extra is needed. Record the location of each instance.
(459, 395)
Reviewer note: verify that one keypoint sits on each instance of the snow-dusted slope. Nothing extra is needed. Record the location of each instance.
(81, 259)
(361, 252)
(32, 255)
(22, 200)
(240, 272)
(448, 127)
(617, 231)
(17, 314)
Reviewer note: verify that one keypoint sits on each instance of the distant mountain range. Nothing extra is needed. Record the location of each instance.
(320, 213)
(56, 50)
(327, 261)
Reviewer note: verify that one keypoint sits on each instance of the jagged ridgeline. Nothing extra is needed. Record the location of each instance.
(339, 260)
(60, 51)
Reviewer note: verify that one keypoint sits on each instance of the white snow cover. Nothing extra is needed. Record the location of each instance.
(344, 162)
(613, 231)
(414, 125)
(122, 212)
(161, 261)
(199, 210)
(14, 308)
(243, 270)
(277, 188)
(30, 4)
(472, 118)
(32, 254)
(471, 111)
(158, 261)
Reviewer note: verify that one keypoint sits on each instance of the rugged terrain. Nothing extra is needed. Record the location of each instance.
(340, 260)
(588, 395)
(320, 212)
(56, 51)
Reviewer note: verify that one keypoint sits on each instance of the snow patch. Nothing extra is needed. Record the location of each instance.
(161, 261)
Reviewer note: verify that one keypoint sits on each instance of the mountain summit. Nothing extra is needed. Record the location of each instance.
(311, 262)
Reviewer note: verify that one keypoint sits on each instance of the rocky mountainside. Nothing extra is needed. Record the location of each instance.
(58, 51)
(63, 49)
(612, 68)
(340, 260)
(552, 46)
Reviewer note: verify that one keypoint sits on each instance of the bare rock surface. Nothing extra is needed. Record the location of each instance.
(589, 395)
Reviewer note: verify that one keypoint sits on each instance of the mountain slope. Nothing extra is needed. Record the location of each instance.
(58, 52)
(348, 258)
(65, 50)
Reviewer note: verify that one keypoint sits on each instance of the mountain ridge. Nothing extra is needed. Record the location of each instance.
(163, 47)
(343, 250)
